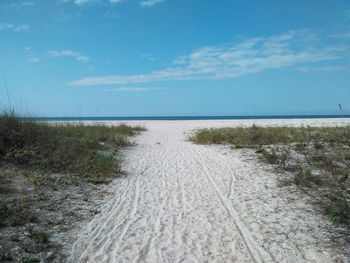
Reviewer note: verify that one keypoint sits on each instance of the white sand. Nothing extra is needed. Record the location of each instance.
(192, 203)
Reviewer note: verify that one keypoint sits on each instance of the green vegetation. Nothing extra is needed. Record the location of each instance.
(276, 158)
(14, 238)
(338, 208)
(305, 178)
(38, 236)
(255, 136)
(89, 151)
(31, 259)
(318, 158)
(47, 172)
(15, 213)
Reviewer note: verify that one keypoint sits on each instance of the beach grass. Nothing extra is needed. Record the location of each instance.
(48, 172)
(317, 157)
(255, 136)
(77, 149)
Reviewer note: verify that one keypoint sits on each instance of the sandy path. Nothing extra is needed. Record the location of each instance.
(190, 203)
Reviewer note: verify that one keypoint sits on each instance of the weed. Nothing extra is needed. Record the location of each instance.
(272, 157)
(14, 238)
(39, 236)
(304, 178)
(74, 149)
(5, 257)
(15, 213)
(322, 149)
(31, 259)
(338, 209)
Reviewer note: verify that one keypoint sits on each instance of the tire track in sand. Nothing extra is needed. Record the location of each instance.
(258, 253)
(175, 207)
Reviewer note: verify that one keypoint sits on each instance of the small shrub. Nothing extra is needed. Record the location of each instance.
(304, 178)
(270, 156)
(252, 136)
(338, 209)
(5, 256)
(65, 148)
(31, 259)
(279, 158)
(14, 238)
(300, 147)
(15, 214)
(323, 149)
(340, 172)
(318, 146)
(39, 236)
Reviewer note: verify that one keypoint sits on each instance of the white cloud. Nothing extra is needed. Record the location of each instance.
(295, 48)
(79, 2)
(132, 89)
(19, 5)
(322, 69)
(14, 28)
(180, 60)
(116, 1)
(33, 60)
(68, 53)
(86, 2)
(83, 2)
(32, 57)
(150, 3)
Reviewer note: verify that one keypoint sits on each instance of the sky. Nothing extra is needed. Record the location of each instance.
(174, 57)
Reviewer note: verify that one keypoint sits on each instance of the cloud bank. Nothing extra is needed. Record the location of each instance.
(253, 55)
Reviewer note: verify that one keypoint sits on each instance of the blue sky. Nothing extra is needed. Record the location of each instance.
(175, 57)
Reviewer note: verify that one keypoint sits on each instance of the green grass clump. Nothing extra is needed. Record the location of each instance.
(338, 209)
(253, 136)
(89, 151)
(304, 178)
(276, 158)
(14, 238)
(31, 259)
(38, 236)
(15, 214)
(319, 158)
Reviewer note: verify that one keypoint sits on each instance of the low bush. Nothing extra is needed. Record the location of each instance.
(75, 149)
(38, 236)
(318, 158)
(31, 259)
(15, 213)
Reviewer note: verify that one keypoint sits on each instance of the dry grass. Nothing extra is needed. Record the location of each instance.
(89, 151)
(318, 158)
(48, 173)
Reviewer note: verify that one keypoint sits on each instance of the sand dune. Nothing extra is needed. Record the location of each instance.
(191, 203)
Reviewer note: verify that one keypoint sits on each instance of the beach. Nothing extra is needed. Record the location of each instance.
(182, 202)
